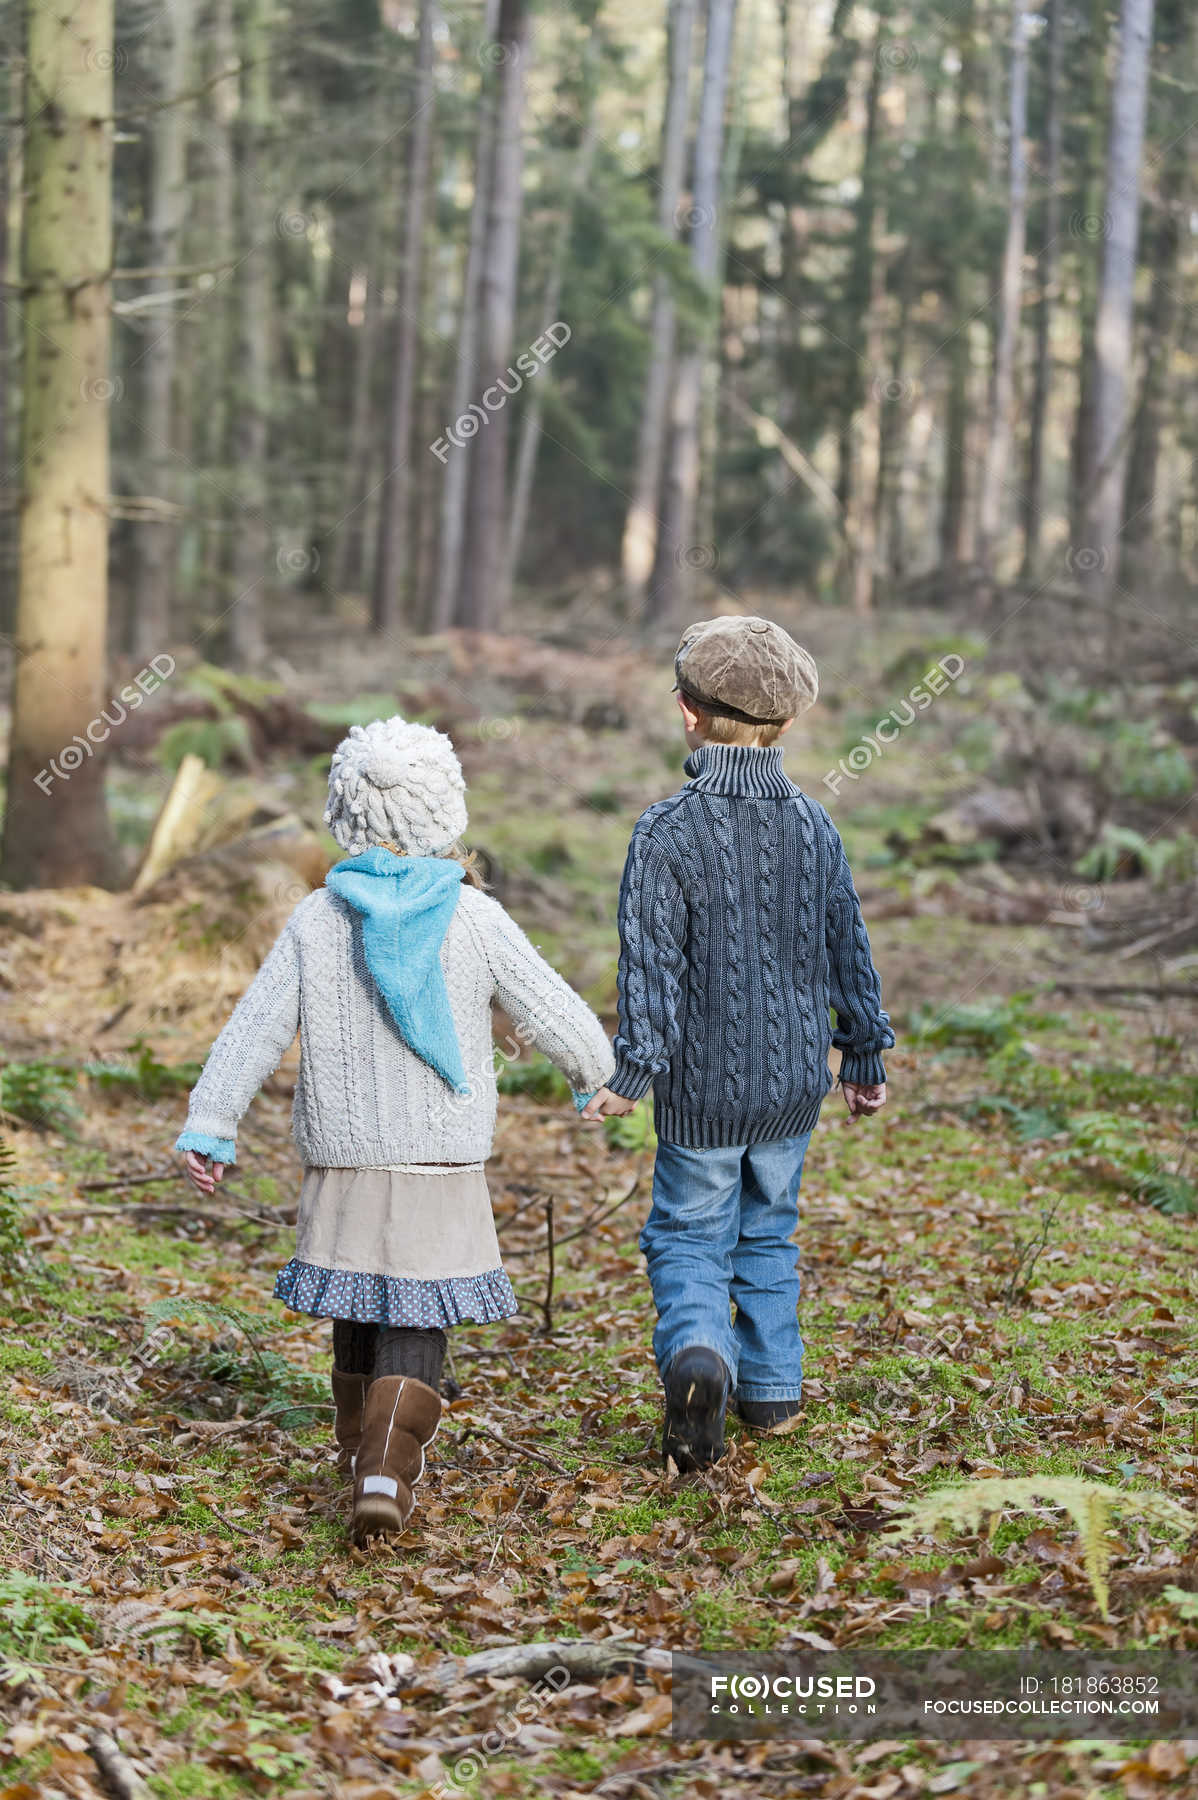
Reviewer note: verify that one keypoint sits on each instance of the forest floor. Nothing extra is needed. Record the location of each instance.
(988, 1290)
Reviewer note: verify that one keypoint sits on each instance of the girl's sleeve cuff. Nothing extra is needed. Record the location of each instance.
(221, 1150)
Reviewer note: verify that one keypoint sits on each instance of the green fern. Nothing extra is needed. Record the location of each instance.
(13, 1254)
(981, 1024)
(181, 1310)
(1031, 1123)
(38, 1624)
(1113, 1140)
(536, 1078)
(273, 1374)
(1120, 849)
(1185, 1600)
(217, 742)
(1089, 1503)
(40, 1094)
(1168, 1193)
(145, 1075)
(634, 1130)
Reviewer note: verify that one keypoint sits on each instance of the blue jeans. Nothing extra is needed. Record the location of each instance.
(720, 1231)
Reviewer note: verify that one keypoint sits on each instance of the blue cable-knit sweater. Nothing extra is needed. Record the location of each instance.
(739, 928)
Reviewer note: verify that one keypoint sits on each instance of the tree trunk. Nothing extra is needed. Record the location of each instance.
(251, 567)
(530, 423)
(430, 409)
(1159, 332)
(859, 288)
(1089, 226)
(863, 522)
(1047, 263)
(1116, 298)
(1002, 419)
(640, 525)
(395, 506)
(677, 555)
(457, 466)
(484, 596)
(10, 165)
(744, 60)
(56, 825)
(896, 411)
(211, 366)
(349, 552)
(155, 541)
(810, 117)
(1142, 512)
(954, 505)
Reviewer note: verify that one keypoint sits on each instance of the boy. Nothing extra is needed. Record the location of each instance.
(739, 928)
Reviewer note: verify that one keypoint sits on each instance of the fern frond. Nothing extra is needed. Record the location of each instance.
(1089, 1503)
(181, 1309)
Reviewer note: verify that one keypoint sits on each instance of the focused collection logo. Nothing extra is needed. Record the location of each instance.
(759, 1696)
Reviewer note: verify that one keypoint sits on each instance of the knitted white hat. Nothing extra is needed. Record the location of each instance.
(397, 782)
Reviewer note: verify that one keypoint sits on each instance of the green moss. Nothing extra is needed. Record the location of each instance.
(18, 1356)
(192, 1781)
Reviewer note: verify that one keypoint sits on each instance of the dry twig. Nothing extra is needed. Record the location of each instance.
(119, 1773)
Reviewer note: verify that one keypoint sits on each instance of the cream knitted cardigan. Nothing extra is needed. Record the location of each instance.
(362, 1098)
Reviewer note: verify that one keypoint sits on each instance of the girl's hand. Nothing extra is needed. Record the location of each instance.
(863, 1102)
(200, 1172)
(605, 1105)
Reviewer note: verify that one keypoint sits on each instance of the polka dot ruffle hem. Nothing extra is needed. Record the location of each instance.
(390, 1300)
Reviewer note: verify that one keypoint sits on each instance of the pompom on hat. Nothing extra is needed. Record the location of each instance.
(396, 783)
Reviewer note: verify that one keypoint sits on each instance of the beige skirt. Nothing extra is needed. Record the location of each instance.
(400, 1246)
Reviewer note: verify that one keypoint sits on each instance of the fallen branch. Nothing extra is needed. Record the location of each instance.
(1163, 990)
(119, 1773)
(245, 1530)
(771, 436)
(595, 1218)
(489, 1431)
(223, 1427)
(167, 1208)
(580, 1658)
(549, 1276)
(127, 1181)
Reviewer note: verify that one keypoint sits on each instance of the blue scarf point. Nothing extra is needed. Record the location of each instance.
(406, 903)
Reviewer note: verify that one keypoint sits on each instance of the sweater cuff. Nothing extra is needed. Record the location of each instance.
(862, 1068)
(631, 1080)
(221, 1150)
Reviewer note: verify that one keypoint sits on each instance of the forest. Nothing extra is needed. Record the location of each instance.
(363, 358)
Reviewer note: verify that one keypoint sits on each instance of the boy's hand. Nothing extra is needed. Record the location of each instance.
(863, 1102)
(605, 1105)
(199, 1173)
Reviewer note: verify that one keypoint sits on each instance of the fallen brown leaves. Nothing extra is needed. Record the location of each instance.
(225, 1621)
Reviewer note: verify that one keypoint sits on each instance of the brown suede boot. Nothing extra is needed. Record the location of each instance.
(402, 1415)
(349, 1394)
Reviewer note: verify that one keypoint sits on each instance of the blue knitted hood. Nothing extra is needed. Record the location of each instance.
(406, 903)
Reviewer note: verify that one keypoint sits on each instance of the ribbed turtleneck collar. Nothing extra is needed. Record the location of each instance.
(743, 769)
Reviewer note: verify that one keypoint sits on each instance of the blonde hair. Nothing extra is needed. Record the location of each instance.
(718, 729)
(455, 853)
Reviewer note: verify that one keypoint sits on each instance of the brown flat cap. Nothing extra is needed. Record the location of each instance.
(746, 669)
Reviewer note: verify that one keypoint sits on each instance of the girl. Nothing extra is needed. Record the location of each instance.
(389, 973)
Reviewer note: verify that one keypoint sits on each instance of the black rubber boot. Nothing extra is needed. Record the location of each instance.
(768, 1415)
(697, 1384)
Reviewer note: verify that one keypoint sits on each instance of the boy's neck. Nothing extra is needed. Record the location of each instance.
(748, 769)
